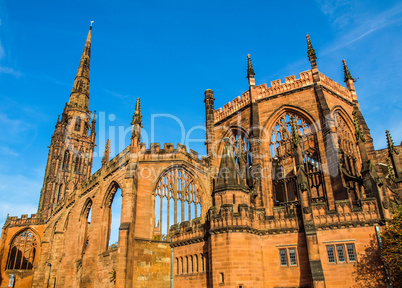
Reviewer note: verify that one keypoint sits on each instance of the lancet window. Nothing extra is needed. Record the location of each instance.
(177, 199)
(349, 156)
(66, 160)
(283, 164)
(77, 124)
(22, 251)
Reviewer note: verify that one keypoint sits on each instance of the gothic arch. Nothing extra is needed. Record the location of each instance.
(315, 125)
(109, 195)
(23, 250)
(26, 228)
(178, 184)
(277, 141)
(85, 209)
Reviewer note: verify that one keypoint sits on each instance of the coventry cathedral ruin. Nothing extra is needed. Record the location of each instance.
(291, 193)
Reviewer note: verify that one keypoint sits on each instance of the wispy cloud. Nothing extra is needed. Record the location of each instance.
(117, 94)
(6, 151)
(359, 25)
(7, 70)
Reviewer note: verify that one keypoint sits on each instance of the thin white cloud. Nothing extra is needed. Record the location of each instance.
(116, 94)
(4, 150)
(361, 24)
(7, 70)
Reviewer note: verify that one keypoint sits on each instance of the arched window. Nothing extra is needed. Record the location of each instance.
(114, 203)
(77, 126)
(202, 263)
(22, 251)
(59, 193)
(186, 264)
(349, 158)
(66, 160)
(86, 218)
(241, 145)
(181, 265)
(196, 263)
(283, 167)
(191, 264)
(177, 199)
(177, 266)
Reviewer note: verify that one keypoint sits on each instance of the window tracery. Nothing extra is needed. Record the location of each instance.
(177, 199)
(349, 156)
(22, 251)
(283, 165)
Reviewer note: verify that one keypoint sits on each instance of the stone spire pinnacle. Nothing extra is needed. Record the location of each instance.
(346, 72)
(390, 144)
(310, 49)
(312, 57)
(106, 154)
(250, 69)
(358, 131)
(250, 72)
(80, 93)
(137, 118)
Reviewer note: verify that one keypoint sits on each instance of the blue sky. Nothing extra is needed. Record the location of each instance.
(168, 53)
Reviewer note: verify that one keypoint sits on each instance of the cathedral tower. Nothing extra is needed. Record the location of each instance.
(72, 144)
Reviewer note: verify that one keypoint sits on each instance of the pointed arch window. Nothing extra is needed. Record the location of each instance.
(77, 126)
(23, 251)
(349, 159)
(66, 160)
(86, 219)
(59, 193)
(283, 166)
(177, 199)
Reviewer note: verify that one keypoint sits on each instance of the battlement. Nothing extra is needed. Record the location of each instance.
(263, 91)
(347, 215)
(168, 151)
(335, 87)
(24, 220)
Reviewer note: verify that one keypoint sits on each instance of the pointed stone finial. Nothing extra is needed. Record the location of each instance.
(358, 131)
(294, 133)
(391, 147)
(90, 26)
(310, 49)
(250, 69)
(137, 118)
(106, 154)
(346, 72)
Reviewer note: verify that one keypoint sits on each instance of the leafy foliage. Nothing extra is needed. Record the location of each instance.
(162, 237)
(113, 275)
(392, 247)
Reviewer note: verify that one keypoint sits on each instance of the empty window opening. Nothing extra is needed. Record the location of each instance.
(115, 216)
(23, 251)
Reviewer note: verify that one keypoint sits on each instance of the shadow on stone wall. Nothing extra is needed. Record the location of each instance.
(369, 271)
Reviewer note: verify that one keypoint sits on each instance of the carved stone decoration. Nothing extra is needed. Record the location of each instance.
(306, 210)
(385, 204)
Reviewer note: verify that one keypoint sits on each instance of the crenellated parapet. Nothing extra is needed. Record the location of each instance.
(263, 91)
(24, 220)
(347, 215)
(335, 87)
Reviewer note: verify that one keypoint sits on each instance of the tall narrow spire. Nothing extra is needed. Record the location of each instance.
(137, 118)
(250, 72)
(106, 154)
(80, 93)
(390, 144)
(346, 72)
(312, 57)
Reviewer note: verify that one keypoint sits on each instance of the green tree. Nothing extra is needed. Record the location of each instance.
(392, 247)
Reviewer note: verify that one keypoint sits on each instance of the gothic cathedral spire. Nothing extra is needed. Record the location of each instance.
(71, 148)
(80, 94)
